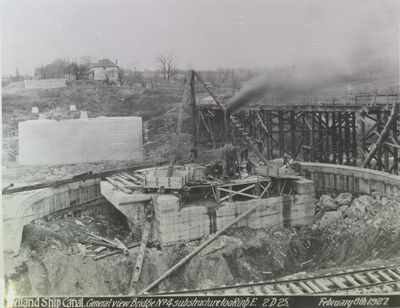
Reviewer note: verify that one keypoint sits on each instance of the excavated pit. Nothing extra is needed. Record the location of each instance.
(51, 260)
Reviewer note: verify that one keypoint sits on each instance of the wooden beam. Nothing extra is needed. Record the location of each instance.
(239, 192)
(382, 136)
(172, 157)
(87, 176)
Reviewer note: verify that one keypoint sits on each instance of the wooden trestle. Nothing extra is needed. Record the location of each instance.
(330, 132)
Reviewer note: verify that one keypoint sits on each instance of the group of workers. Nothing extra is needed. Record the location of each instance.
(230, 165)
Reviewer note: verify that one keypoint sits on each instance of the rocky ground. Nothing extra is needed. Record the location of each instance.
(348, 231)
(359, 228)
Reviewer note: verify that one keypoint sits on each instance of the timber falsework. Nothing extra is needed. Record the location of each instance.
(360, 130)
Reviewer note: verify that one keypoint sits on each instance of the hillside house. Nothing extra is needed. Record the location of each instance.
(105, 70)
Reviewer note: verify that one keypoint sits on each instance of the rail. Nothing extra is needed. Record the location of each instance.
(342, 281)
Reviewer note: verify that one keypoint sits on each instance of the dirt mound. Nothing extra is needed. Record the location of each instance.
(55, 265)
(162, 145)
(98, 99)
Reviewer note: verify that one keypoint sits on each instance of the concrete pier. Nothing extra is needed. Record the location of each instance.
(175, 222)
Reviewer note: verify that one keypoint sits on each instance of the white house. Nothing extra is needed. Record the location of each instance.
(105, 70)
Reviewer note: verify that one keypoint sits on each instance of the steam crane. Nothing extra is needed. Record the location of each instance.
(229, 151)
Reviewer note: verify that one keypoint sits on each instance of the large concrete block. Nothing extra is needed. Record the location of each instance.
(76, 141)
(304, 186)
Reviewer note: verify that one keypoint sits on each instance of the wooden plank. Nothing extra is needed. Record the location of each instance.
(141, 254)
(350, 279)
(295, 289)
(179, 125)
(240, 192)
(283, 289)
(339, 282)
(111, 253)
(384, 275)
(306, 287)
(117, 184)
(394, 274)
(321, 284)
(119, 244)
(122, 175)
(268, 290)
(382, 135)
(233, 191)
(361, 279)
(86, 176)
(265, 190)
(236, 193)
(122, 180)
(313, 286)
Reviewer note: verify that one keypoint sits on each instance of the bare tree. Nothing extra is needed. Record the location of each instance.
(77, 70)
(167, 66)
(87, 60)
(56, 69)
(121, 76)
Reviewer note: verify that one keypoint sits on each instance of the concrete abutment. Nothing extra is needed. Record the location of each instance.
(175, 223)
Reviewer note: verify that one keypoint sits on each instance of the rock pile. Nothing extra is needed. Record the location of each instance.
(345, 210)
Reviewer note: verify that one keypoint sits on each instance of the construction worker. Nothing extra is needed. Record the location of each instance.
(193, 152)
(249, 166)
(228, 160)
(287, 160)
(244, 153)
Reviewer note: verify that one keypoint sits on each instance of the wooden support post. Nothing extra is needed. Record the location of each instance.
(347, 141)
(257, 189)
(293, 133)
(230, 194)
(385, 148)
(141, 254)
(320, 137)
(312, 153)
(194, 114)
(395, 149)
(327, 149)
(334, 137)
(172, 156)
(379, 163)
(270, 140)
(340, 138)
(281, 134)
(354, 137)
(217, 194)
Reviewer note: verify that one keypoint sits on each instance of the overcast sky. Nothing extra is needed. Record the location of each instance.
(202, 34)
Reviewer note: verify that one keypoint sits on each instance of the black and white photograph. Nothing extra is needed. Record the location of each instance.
(183, 153)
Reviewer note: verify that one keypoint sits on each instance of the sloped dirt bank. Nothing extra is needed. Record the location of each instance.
(52, 263)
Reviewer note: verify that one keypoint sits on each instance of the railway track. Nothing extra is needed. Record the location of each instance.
(310, 284)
